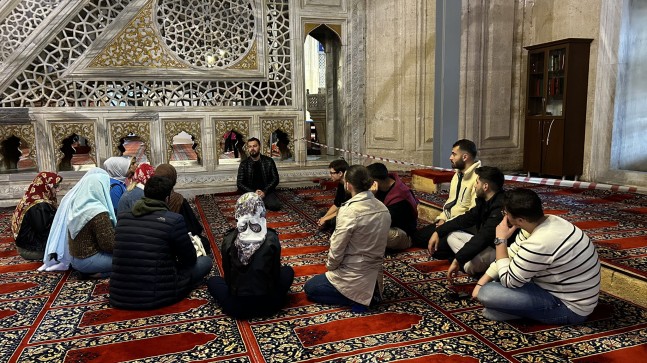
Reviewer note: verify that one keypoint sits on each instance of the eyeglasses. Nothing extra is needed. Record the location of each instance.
(504, 212)
(335, 172)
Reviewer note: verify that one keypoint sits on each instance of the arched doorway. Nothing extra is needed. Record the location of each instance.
(323, 69)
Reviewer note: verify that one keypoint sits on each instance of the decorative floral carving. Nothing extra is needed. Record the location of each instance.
(137, 45)
(172, 128)
(24, 132)
(222, 126)
(119, 129)
(61, 130)
(269, 125)
(249, 61)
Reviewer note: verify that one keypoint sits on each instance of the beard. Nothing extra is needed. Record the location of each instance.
(458, 164)
(480, 193)
(254, 153)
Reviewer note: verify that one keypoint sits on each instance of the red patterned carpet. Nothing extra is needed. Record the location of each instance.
(55, 317)
(616, 222)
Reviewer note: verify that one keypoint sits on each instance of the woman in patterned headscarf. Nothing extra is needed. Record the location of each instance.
(32, 219)
(136, 187)
(255, 283)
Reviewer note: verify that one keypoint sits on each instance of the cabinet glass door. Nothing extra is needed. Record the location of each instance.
(536, 84)
(555, 84)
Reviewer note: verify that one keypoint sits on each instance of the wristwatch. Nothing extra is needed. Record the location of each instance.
(498, 241)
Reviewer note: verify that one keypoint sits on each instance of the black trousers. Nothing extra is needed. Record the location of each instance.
(421, 239)
(272, 202)
(246, 307)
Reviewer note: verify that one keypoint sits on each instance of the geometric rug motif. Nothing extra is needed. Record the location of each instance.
(58, 317)
(616, 222)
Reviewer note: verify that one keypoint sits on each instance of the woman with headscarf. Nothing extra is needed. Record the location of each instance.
(91, 226)
(255, 283)
(178, 204)
(119, 168)
(57, 253)
(136, 187)
(32, 219)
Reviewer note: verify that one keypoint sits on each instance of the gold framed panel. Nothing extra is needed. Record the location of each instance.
(61, 130)
(224, 125)
(119, 129)
(24, 132)
(269, 125)
(174, 127)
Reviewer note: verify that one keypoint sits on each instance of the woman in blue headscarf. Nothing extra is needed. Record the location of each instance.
(91, 226)
(57, 254)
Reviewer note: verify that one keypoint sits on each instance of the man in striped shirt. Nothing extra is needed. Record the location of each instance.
(551, 273)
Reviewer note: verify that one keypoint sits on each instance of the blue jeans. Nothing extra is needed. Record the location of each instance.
(529, 301)
(100, 262)
(201, 269)
(320, 290)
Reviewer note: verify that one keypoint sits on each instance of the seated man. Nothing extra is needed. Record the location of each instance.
(337, 169)
(474, 253)
(258, 174)
(551, 273)
(402, 205)
(461, 196)
(154, 262)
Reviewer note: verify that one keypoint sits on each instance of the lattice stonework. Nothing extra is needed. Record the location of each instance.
(24, 132)
(222, 126)
(61, 130)
(137, 45)
(221, 32)
(21, 22)
(119, 129)
(172, 128)
(270, 125)
(40, 82)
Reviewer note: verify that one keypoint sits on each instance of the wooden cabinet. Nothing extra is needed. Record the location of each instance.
(556, 107)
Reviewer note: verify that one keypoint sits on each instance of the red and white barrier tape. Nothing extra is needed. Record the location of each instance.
(532, 180)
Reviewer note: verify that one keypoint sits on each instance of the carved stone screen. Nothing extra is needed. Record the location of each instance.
(203, 37)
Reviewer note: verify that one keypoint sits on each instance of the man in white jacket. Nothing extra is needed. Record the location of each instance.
(461, 193)
(551, 273)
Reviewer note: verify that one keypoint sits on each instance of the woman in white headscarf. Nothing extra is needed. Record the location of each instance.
(255, 283)
(119, 168)
(91, 226)
(57, 253)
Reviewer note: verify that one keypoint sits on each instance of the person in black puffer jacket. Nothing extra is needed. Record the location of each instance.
(255, 283)
(154, 262)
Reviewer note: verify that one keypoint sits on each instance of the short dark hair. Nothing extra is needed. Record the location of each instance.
(467, 146)
(254, 139)
(338, 165)
(158, 187)
(491, 175)
(523, 203)
(358, 177)
(378, 171)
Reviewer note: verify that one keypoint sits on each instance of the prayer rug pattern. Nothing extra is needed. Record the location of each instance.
(58, 317)
(616, 222)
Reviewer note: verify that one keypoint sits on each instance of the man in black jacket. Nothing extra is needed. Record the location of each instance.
(258, 174)
(474, 253)
(154, 261)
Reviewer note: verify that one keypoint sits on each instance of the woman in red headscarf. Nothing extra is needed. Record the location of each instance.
(32, 219)
(136, 187)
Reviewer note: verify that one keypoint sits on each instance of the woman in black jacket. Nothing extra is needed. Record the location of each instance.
(255, 283)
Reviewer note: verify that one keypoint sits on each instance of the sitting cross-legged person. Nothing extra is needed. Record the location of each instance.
(136, 187)
(32, 219)
(551, 273)
(155, 263)
(178, 204)
(119, 168)
(337, 169)
(91, 220)
(255, 283)
(355, 274)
